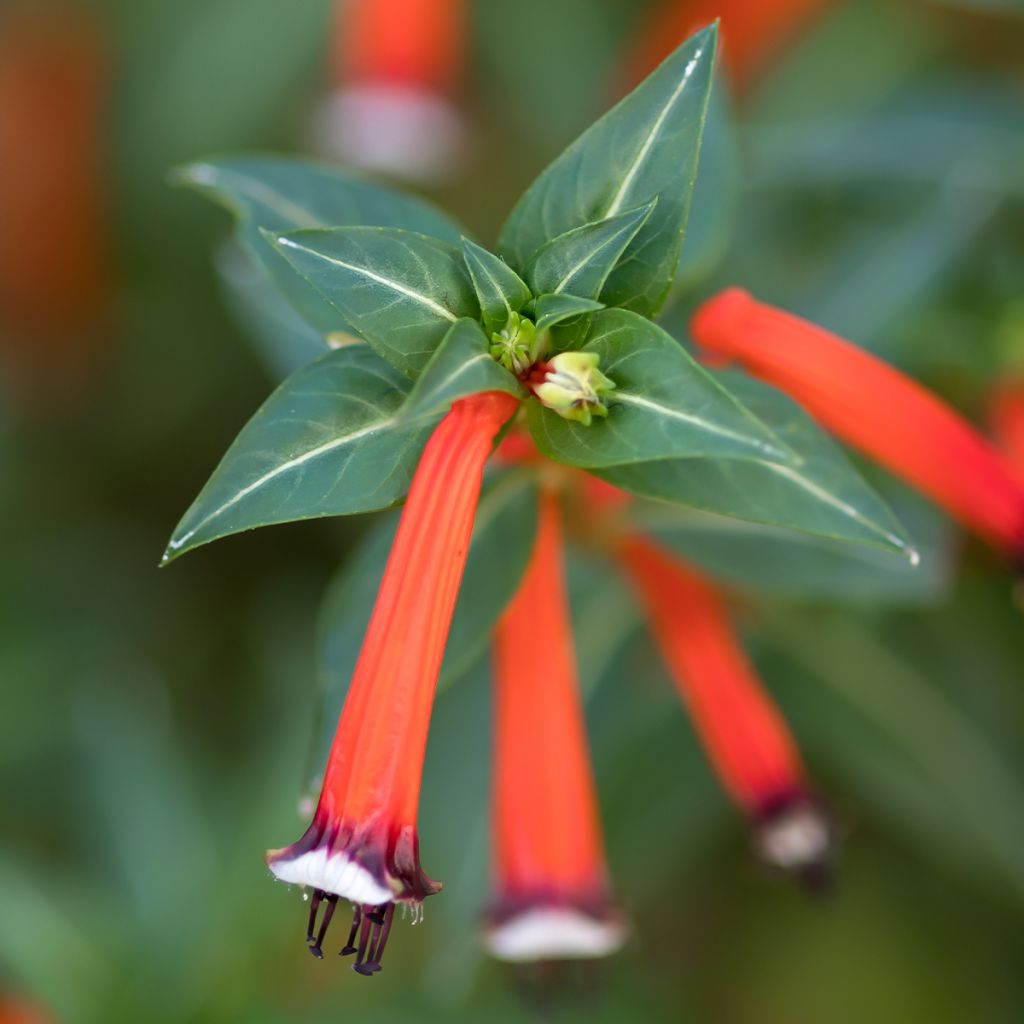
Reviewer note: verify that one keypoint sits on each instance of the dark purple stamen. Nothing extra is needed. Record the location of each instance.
(314, 906)
(366, 932)
(350, 946)
(317, 950)
(371, 926)
(382, 938)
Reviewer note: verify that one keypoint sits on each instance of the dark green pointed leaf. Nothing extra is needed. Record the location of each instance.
(461, 366)
(400, 290)
(278, 193)
(579, 262)
(325, 443)
(822, 494)
(503, 534)
(716, 193)
(549, 310)
(664, 405)
(787, 563)
(499, 289)
(644, 148)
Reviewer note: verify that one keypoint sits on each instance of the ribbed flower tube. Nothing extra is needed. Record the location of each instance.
(552, 893)
(874, 408)
(362, 844)
(745, 736)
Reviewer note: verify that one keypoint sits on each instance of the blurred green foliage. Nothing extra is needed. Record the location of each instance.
(155, 725)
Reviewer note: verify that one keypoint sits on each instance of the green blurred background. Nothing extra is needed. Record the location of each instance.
(154, 725)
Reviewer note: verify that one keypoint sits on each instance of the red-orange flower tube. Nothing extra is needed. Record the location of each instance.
(1006, 417)
(362, 844)
(744, 734)
(751, 32)
(874, 408)
(553, 899)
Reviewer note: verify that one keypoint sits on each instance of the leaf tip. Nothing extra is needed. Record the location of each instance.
(195, 175)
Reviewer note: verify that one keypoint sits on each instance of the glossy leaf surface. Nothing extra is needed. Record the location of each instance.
(325, 443)
(499, 289)
(461, 366)
(279, 193)
(646, 147)
(579, 262)
(400, 290)
(664, 405)
(822, 495)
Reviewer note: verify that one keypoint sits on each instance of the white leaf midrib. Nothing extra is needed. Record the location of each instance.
(629, 398)
(337, 442)
(624, 186)
(387, 282)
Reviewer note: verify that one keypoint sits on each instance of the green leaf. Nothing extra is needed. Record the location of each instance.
(461, 366)
(716, 193)
(646, 147)
(821, 495)
(579, 262)
(503, 534)
(787, 563)
(549, 310)
(499, 289)
(278, 193)
(663, 406)
(283, 340)
(400, 290)
(325, 443)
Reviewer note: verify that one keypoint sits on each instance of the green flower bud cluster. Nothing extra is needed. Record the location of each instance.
(517, 346)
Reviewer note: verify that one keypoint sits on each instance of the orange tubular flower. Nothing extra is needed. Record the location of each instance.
(751, 32)
(395, 65)
(874, 408)
(1006, 416)
(362, 844)
(553, 899)
(743, 732)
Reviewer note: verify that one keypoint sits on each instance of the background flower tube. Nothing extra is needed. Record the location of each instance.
(553, 898)
(874, 408)
(744, 734)
(362, 844)
(752, 32)
(395, 65)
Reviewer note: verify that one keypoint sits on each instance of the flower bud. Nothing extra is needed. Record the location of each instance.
(516, 346)
(573, 386)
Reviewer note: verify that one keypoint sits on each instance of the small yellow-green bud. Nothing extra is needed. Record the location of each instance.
(515, 346)
(574, 387)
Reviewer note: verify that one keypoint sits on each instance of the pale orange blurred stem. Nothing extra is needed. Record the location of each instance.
(21, 1011)
(53, 254)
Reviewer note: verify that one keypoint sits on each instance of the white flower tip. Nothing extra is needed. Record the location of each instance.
(799, 837)
(408, 133)
(331, 873)
(554, 933)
